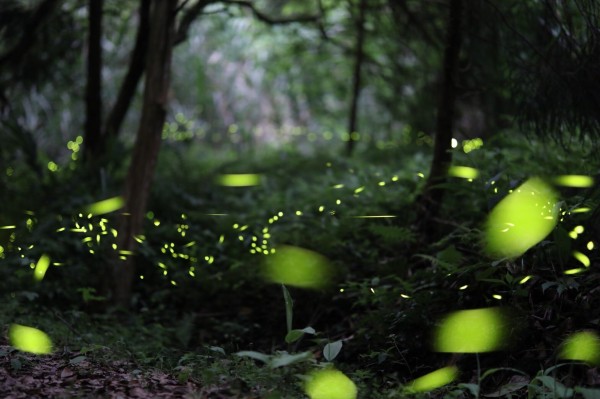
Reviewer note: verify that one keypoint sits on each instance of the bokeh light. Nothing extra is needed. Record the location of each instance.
(239, 180)
(578, 181)
(29, 339)
(583, 346)
(522, 219)
(433, 380)
(330, 384)
(464, 172)
(471, 331)
(105, 206)
(41, 267)
(298, 267)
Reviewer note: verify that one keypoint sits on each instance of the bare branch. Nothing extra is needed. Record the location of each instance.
(261, 16)
(188, 19)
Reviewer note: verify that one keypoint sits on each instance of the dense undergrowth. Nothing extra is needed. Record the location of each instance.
(201, 296)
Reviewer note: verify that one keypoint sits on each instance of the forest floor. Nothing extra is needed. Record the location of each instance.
(72, 375)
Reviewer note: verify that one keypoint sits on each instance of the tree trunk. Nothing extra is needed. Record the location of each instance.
(147, 144)
(93, 96)
(431, 199)
(356, 79)
(133, 76)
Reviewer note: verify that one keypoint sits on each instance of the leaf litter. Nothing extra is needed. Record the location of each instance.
(72, 375)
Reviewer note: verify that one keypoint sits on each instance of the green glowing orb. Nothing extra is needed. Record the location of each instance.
(41, 267)
(471, 331)
(29, 339)
(239, 180)
(579, 181)
(105, 206)
(522, 219)
(330, 384)
(298, 267)
(464, 172)
(433, 380)
(583, 346)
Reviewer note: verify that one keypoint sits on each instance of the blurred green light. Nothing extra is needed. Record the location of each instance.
(239, 180)
(41, 267)
(464, 172)
(582, 258)
(522, 219)
(433, 380)
(583, 346)
(298, 267)
(579, 181)
(525, 279)
(52, 166)
(105, 206)
(574, 271)
(330, 384)
(29, 339)
(471, 331)
(581, 210)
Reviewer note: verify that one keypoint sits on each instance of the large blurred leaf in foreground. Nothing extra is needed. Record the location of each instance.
(522, 219)
(471, 331)
(298, 267)
(29, 339)
(330, 384)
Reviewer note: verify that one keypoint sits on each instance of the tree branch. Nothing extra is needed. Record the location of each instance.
(269, 19)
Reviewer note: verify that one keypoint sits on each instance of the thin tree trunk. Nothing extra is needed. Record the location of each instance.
(93, 96)
(433, 194)
(356, 79)
(133, 76)
(147, 145)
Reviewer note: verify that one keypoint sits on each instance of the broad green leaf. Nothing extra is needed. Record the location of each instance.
(433, 380)
(522, 219)
(330, 384)
(293, 336)
(255, 355)
(332, 349)
(471, 331)
(285, 359)
(309, 330)
(29, 339)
